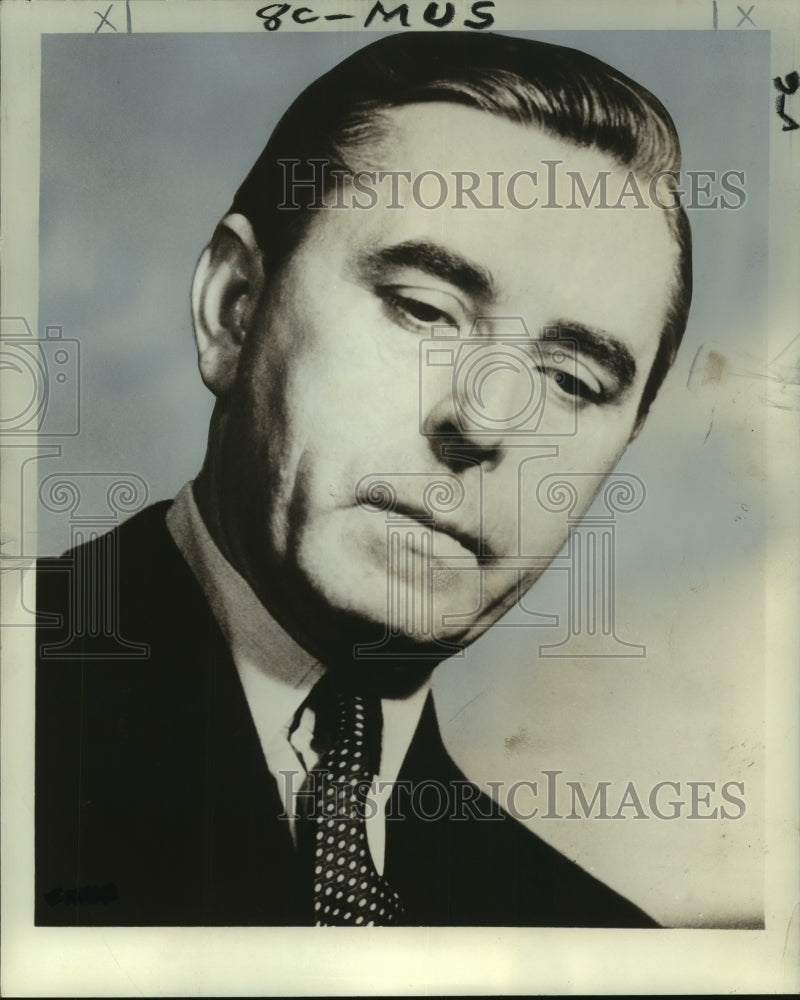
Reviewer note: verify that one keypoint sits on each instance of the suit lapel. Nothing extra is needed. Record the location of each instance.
(251, 874)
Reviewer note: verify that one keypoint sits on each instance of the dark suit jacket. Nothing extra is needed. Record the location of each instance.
(153, 801)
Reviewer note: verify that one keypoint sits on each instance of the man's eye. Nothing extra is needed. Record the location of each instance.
(570, 385)
(415, 313)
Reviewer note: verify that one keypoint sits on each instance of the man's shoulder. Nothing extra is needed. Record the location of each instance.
(143, 538)
(141, 731)
(484, 865)
(131, 577)
(122, 630)
(553, 884)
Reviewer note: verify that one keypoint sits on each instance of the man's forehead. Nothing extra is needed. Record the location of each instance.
(471, 174)
(604, 268)
(613, 266)
(443, 135)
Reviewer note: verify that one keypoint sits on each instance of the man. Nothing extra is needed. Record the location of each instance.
(398, 365)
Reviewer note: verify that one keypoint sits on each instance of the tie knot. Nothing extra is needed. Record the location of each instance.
(347, 729)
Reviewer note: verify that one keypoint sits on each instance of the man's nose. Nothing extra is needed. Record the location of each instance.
(482, 406)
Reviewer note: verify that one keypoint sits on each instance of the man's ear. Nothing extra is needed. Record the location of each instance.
(227, 287)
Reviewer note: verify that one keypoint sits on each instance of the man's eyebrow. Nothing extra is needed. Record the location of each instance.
(433, 259)
(441, 262)
(601, 347)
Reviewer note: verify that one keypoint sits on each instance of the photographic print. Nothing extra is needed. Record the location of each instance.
(399, 434)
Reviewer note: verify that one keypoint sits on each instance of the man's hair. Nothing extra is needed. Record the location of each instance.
(564, 92)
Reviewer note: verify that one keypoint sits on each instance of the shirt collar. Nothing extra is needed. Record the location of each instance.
(277, 674)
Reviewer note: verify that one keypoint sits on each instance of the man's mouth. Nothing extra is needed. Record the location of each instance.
(466, 540)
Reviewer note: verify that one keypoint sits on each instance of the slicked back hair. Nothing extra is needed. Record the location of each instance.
(564, 92)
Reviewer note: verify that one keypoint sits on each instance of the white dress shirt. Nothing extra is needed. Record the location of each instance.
(277, 675)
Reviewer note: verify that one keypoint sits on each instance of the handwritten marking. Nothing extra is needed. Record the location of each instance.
(791, 124)
(273, 15)
(786, 89)
(714, 19)
(104, 19)
(745, 15)
(791, 85)
(128, 16)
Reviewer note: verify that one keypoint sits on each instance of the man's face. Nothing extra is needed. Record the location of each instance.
(336, 389)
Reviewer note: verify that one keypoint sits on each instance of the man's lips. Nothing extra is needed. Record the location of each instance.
(466, 539)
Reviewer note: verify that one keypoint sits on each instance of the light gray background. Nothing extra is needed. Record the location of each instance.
(144, 140)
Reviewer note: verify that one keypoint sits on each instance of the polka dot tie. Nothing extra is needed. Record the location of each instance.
(347, 889)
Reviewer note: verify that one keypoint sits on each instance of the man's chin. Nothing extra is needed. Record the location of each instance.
(358, 639)
(369, 657)
(357, 635)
